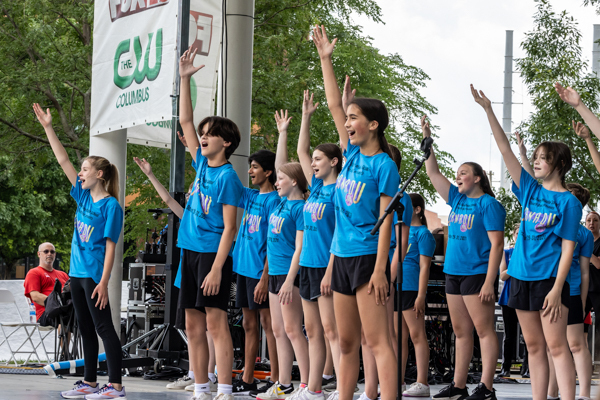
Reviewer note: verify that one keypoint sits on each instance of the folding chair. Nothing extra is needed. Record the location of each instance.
(29, 330)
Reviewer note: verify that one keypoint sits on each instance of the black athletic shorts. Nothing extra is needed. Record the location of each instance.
(277, 281)
(195, 267)
(350, 273)
(310, 282)
(466, 285)
(530, 295)
(408, 299)
(244, 297)
(575, 310)
(180, 318)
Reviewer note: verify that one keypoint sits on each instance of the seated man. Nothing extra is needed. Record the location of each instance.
(39, 282)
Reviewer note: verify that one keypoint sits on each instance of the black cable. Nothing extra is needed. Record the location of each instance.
(226, 57)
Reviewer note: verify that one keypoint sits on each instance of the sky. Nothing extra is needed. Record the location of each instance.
(461, 42)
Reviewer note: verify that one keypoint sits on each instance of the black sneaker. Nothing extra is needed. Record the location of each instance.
(241, 388)
(452, 393)
(329, 385)
(262, 389)
(481, 392)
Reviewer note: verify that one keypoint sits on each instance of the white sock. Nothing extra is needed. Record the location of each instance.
(327, 376)
(212, 377)
(225, 389)
(191, 375)
(201, 388)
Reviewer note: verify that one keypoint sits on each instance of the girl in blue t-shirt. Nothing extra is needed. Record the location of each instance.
(542, 256)
(361, 267)
(473, 255)
(98, 225)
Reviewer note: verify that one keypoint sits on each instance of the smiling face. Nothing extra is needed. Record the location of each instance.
(359, 128)
(592, 222)
(88, 175)
(211, 145)
(258, 176)
(285, 184)
(321, 164)
(466, 179)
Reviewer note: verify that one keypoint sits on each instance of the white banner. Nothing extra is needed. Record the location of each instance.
(205, 36)
(133, 63)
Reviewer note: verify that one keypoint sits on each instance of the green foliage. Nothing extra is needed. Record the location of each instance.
(513, 211)
(553, 54)
(593, 3)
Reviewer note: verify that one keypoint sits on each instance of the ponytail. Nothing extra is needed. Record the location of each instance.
(484, 181)
(582, 194)
(375, 110)
(110, 174)
(418, 201)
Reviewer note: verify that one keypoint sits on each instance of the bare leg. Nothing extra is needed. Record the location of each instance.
(531, 326)
(285, 351)
(348, 321)
(265, 321)
(316, 344)
(292, 321)
(218, 326)
(463, 329)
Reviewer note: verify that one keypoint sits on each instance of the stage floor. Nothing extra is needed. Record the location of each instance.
(35, 387)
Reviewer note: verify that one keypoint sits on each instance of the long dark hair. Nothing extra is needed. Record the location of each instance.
(418, 201)
(332, 151)
(582, 194)
(375, 110)
(558, 155)
(484, 182)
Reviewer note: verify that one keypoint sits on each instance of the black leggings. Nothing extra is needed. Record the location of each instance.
(509, 344)
(89, 317)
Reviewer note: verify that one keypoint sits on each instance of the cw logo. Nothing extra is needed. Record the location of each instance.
(142, 69)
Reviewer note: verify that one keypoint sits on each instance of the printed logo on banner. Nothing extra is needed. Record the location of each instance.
(123, 8)
(200, 35)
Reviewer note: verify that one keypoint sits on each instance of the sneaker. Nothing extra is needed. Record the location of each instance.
(262, 389)
(417, 389)
(296, 393)
(241, 388)
(334, 395)
(331, 386)
(181, 383)
(364, 396)
(107, 392)
(403, 388)
(276, 392)
(307, 395)
(328, 381)
(80, 390)
(223, 396)
(202, 396)
(481, 392)
(451, 392)
(213, 386)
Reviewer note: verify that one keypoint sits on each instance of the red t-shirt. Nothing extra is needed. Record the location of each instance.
(40, 280)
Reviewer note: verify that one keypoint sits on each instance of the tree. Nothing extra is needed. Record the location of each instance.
(553, 54)
(594, 3)
(513, 211)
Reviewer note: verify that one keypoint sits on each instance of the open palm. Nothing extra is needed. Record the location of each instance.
(45, 118)
(144, 165)
(568, 95)
(282, 120)
(324, 46)
(308, 107)
(186, 64)
(480, 98)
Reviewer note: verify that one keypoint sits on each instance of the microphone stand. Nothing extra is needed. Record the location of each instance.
(397, 207)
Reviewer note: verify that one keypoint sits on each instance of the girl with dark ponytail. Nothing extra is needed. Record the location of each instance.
(98, 224)
(473, 254)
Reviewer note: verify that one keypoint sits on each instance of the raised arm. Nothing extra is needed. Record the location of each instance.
(160, 189)
(332, 91)
(582, 131)
(283, 122)
(512, 162)
(308, 109)
(186, 112)
(60, 153)
(439, 181)
(523, 153)
(348, 94)
(572, 98)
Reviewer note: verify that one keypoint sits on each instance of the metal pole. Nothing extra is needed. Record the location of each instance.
(596, 51)
(507, 102)
(113, 146)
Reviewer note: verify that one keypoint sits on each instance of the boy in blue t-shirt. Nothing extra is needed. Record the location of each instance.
(250, 264)
(206, 235)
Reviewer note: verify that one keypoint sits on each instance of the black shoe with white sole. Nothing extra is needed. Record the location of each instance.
(481, 392)
(451, 392)
(241, 388)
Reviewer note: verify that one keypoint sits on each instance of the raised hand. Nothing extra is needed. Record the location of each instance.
(348, 94)
(182, 139)
(481, 99)
(568, 95)
(425, 127)
(520, 143)
(45, 118)
(144, 165)
(324, 46)
(186, 64)
(581, 130)
(283, 122)
(308, 107)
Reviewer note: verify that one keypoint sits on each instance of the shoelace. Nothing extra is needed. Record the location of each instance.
(80, 384)
(445, 388)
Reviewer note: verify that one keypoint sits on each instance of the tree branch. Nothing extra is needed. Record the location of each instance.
(75, 146)
(79, 33)
(282, 10)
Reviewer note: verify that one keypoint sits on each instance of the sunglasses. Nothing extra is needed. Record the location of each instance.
(49, 251)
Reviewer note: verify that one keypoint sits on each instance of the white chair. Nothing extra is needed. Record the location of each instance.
(10, 328)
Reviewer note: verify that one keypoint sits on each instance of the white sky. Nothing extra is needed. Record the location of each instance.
(461, 42)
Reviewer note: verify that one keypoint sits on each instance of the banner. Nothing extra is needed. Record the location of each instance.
(133, 63)
(205, 36)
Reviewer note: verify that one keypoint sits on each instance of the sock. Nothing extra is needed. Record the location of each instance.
(201, 388)
(302, 385)
(212, 377)
(327, 376)
(225, 389)
(283, 385)
(191, 375)
(311, 392)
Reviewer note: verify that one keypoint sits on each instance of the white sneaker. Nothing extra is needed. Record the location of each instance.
(417, 390)
(403, 388)
(181, 383)
(307, 395)
(335, 395)
(295, 395)
(202, 396)
(364, 396)
(223, 396)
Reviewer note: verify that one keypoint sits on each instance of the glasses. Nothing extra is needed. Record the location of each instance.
(49, 251)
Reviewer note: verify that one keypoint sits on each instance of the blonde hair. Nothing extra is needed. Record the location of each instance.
(294, 171)
(110, 174)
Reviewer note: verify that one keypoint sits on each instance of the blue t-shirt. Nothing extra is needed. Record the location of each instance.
(202, 222)
(284, 221)
(360, 184)
(250, 251)
(584, 247)
(94, 223)
(503, 299)
(406, 219)
(546, 219)
(420, 242)
(319, 224)
(468, 250)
